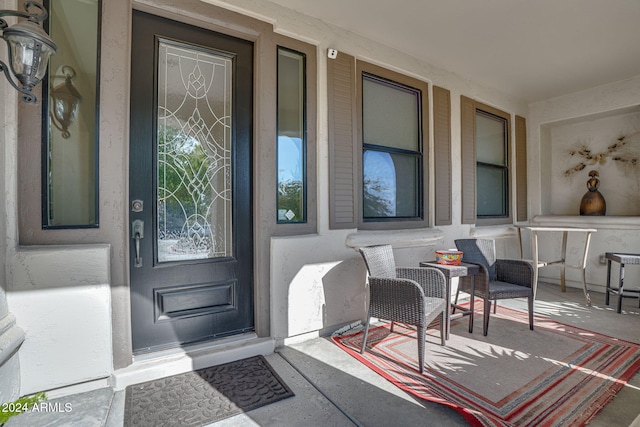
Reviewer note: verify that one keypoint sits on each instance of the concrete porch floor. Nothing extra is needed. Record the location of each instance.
(333, 389)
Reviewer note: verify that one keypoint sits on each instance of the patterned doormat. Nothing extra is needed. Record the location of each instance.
(204, 396)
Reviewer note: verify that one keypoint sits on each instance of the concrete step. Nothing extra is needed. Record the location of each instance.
(180, 360)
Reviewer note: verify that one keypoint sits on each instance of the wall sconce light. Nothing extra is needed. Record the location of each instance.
(66, 100)
(29, 48)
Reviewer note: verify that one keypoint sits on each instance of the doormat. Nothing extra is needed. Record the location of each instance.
(204, 396)
(556, 375)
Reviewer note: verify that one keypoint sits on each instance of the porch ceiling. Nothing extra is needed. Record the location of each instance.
(532, 50)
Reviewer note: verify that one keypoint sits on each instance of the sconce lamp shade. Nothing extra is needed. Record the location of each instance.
(29, 49)
(66, 100)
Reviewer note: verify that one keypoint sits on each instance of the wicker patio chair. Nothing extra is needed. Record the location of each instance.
(498, 278)
(409, 295)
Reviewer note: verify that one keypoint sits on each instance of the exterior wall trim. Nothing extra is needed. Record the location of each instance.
(11, 338)
(398, 239)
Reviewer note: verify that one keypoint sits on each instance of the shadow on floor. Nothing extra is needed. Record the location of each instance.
(333, 389)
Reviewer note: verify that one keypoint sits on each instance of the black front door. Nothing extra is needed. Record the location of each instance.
(190, 184)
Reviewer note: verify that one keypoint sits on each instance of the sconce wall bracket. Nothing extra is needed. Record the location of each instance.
(27, 96)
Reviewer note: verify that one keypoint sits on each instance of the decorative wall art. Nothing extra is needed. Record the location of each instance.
(608, 144)
(618, 152)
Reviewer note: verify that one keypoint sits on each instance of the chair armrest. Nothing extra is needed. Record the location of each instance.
(400, 300)
(431, 279)
(481, 280)
(515, 271)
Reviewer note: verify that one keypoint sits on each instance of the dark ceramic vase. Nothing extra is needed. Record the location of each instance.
(593, 202)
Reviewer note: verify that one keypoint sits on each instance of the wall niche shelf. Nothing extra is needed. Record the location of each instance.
(607, 142)
(612, 222)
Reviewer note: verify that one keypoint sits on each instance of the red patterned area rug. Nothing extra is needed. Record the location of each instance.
(555, 375)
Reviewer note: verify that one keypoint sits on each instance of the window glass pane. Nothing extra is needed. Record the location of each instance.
(492, 188)
(291, 142)
(490, 139)
(390, 185)
(390, 115)
(194, 199)
(70, 116)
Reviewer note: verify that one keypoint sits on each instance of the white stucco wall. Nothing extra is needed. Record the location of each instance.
(609, 100)
(597, 117)
(313, 284)
(11, 335)
(61, 297)
(619, 179)
(613, 235)
(318, 281)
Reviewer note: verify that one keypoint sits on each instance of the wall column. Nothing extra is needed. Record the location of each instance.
(11, 336)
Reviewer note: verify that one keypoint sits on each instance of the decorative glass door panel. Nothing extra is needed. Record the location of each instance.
(190, 176)
(194, 197)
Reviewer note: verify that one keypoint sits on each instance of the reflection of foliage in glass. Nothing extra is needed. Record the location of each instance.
(290, 198)
(184, 189)
(375, 206)
(290, 179)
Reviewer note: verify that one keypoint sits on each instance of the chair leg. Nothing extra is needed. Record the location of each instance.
(472, 308)
(495, 305)
(366, 332)
(487, 311)
(442, 328)
(621, 287)
(530, 312)
(421, 343)
(607, 289)
(391, 329)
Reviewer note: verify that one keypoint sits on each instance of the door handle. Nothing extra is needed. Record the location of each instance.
(137, 233)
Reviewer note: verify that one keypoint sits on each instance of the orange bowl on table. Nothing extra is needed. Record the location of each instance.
(448, 257)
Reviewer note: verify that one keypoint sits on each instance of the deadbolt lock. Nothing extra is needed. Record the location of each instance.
(137, 206)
